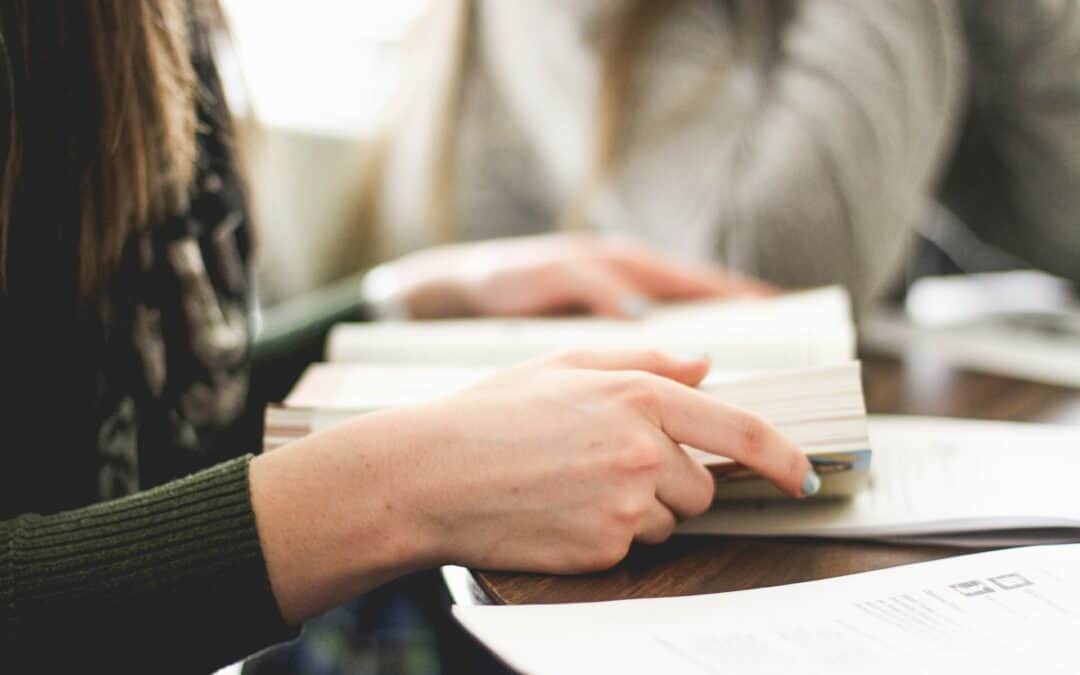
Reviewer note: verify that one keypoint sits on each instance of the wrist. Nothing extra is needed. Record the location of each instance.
(336, 518)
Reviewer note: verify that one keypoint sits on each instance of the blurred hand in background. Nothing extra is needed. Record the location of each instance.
(549, 274)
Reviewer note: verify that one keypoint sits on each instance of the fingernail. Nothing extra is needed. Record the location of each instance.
(811, 483)
(634, 306)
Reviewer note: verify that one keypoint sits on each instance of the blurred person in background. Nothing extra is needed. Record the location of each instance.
(800, 142)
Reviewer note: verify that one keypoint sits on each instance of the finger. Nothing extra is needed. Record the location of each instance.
(697, 419)
(684, 485)
(688, 372)
(565, 286)
(657, 525)
(663, 277)
(604, 293)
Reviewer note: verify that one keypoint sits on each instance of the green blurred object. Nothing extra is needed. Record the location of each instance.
(293, 335)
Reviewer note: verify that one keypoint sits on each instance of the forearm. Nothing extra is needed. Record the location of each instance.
(838, 162)
(172, 580)
(203, 571)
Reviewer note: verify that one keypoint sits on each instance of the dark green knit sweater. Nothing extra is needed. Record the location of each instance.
(168, 580)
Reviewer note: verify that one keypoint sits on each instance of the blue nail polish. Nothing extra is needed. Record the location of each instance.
(634, 306)
(811, 483)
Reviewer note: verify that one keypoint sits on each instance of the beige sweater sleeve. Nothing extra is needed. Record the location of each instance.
(1015, 179)
(839, 161)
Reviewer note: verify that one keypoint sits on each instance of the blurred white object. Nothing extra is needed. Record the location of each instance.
(320, 79)
(1023, 324)
(323, 66)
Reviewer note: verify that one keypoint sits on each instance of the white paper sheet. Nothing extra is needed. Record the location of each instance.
(932, 477)
(1005, 612)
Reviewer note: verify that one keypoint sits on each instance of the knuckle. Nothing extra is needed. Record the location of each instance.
(751, 436)
(700, 498)
(637, 391)
(638, 452)
(614, 551)
(604, 552)
(660, 532)
(668, 527)
(628, 512)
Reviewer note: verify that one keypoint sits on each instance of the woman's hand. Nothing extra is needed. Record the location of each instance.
(559, 464)
(551, 274)
(556, 465)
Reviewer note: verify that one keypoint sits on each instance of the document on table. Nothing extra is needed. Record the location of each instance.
(796, 330)
(1004, 612)
(959, 482)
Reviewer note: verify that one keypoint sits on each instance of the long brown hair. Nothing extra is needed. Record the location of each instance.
(126, 140)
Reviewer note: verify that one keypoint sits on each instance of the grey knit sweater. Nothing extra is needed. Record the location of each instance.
(810, 165)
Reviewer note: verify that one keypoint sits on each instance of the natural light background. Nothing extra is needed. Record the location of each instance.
(329, 66)
(320, 77)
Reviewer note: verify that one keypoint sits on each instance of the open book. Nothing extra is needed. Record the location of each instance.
(945, 481)
(1004, 612)
(797, 330)
(820, 409)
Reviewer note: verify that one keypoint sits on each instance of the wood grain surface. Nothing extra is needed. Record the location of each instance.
(916, 385)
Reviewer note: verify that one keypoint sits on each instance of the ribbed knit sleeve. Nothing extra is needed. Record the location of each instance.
(168, 580)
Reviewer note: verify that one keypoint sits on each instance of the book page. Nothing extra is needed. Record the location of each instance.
(1005, 612)
(791, 331)
(933, 476)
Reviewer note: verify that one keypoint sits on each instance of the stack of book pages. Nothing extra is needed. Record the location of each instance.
(789, 359)
(820, 409)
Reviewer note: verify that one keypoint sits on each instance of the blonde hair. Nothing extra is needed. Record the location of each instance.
(133, 154)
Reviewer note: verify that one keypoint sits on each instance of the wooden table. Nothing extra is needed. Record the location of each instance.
(690, 565)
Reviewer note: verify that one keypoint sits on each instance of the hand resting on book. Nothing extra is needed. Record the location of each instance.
(548, 274)
(555, 465)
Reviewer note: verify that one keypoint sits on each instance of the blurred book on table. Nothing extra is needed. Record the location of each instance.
(796, 330)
